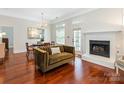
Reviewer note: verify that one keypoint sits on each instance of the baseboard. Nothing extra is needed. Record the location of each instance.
(19, 51)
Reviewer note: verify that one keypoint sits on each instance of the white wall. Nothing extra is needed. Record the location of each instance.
(20, 31)
(99, 20)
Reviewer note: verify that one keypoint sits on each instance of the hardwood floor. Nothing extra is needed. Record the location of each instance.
(17, 70)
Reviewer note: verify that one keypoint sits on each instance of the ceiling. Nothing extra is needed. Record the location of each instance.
(49, 13)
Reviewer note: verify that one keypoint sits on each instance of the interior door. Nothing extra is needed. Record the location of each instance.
(77, 40)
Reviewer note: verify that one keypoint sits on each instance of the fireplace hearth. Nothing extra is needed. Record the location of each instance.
(101, 48)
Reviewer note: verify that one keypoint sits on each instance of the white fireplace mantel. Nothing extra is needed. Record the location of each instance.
(115, 38)
(102, 31)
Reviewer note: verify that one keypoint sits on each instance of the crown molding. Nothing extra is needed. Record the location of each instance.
(78, 13)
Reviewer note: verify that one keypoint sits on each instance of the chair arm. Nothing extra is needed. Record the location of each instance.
(121, 59)
(69, 49)
(40, 50)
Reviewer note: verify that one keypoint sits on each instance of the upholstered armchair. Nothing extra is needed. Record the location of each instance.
(119, 64)
(2, 51)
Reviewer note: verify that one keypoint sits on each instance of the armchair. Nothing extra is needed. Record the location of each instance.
(2, 51)
(119, 64)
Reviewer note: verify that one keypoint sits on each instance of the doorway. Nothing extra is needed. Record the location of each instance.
(77, 40)
(8, 37)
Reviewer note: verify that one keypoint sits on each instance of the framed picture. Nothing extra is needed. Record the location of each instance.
(35, 33)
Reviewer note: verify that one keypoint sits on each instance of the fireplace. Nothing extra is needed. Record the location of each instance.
(101, 48)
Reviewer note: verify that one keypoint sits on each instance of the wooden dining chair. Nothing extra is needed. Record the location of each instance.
(52, 42)
(29, 50)
(46, 44)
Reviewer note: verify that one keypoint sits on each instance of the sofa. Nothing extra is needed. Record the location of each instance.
(45, 60)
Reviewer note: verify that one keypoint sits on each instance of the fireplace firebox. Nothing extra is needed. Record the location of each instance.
(101, 48)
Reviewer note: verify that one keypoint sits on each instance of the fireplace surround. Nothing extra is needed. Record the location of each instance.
(113, 39)
(100, 48)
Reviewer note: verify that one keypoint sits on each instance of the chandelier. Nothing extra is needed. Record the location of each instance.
(43, 21)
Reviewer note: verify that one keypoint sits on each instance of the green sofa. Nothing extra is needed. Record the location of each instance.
(45, 61)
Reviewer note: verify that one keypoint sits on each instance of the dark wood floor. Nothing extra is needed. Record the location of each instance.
(17, 70)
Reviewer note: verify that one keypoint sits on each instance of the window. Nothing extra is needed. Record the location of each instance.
(60, 34)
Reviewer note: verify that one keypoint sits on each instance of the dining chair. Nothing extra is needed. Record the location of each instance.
(46, 44)
(52, 42)
(29, 50)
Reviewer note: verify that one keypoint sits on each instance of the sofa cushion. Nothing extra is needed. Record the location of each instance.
(59, 57)
(45, 48)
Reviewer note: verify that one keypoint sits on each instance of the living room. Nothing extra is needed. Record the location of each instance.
(93, 36)
(61, 46)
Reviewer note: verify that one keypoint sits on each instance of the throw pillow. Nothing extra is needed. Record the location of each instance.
(55, 50)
